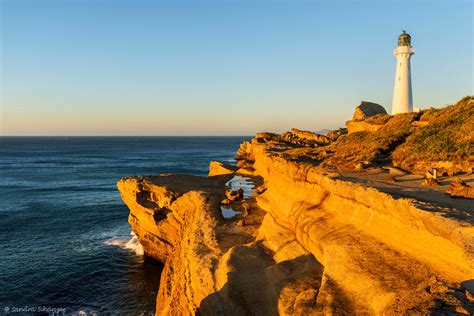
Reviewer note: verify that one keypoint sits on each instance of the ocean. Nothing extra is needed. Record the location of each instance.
(65, 242)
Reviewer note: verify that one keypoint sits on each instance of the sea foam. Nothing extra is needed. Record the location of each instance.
(132, 244)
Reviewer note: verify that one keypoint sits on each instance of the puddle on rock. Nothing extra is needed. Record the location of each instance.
(244, 183)
(228, 212)
(238, 182)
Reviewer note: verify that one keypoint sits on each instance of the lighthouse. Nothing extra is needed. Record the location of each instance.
(402, 93)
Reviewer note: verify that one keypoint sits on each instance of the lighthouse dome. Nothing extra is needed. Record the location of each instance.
(404, 39)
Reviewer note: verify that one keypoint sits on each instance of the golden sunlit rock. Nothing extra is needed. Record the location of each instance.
(315, 236)
(219, 168)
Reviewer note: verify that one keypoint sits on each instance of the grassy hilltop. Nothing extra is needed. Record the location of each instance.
(442, 138)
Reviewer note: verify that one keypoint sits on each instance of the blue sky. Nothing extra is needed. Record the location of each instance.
(114, 67)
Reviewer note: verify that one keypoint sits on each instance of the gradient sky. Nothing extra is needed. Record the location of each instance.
(112, 67)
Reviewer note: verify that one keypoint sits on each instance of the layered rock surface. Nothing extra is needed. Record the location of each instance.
(315, 237)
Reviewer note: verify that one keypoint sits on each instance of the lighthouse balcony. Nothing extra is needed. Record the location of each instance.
(403, 50)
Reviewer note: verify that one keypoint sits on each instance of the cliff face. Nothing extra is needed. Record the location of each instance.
(378, 253)
(311, 239)
(174, 217)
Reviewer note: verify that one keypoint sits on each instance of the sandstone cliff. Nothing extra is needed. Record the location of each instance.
(314, 237)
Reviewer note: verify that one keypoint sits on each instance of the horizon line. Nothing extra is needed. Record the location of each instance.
(4, 136)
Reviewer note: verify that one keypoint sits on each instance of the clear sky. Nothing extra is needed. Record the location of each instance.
(113, 67)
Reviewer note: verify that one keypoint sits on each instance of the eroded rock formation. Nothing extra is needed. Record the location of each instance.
(316, 237)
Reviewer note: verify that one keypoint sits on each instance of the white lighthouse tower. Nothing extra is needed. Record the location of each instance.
(402, 93)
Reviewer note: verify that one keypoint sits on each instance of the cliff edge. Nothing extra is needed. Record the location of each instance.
(355, 222)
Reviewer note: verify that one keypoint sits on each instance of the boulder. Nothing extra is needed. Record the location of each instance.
(367, 109)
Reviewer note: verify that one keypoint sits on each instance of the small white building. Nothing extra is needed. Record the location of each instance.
(402, 92)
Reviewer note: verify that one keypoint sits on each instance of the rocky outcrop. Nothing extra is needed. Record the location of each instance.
(313, 239)
(364, 239)
(213, 266)
(320, 139)
(176, 220)
(325, 245)
(161, 208)
(367, 109)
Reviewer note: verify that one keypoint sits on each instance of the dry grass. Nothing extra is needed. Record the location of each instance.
(449, 136)
(379, 119)
(373, 147)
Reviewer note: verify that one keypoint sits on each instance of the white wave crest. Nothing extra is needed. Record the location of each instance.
(131, 244)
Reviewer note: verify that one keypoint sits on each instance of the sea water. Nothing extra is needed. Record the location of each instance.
(65, 243)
